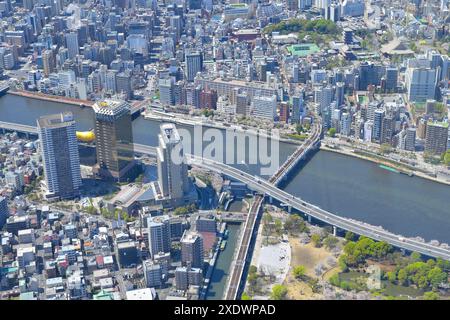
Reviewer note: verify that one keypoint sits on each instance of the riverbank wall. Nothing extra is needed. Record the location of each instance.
(51, 98)
(175, 119)
(399, 167)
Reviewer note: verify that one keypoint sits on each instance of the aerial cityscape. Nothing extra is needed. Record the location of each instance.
(224, 150)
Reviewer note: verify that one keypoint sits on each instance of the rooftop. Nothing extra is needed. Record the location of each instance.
(54, 121)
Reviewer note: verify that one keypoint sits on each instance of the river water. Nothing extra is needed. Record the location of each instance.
(344, 185)
(361, 190)
(222, 268)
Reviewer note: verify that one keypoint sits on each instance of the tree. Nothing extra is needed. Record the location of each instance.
(294, 224)
(330, 242)
(332, 132)
(334, 280)
(430, 295)
(415, 256)
(447, 158)
(278, 226)
(385, 148)
(392, 277)
(402, 276)
(279, 292)
(343, 262)
(245, 296)
(316, 240)
(299, 272)
(349, 236)
(436, 277)
(299, 128)
(252, 269)
(91, 209)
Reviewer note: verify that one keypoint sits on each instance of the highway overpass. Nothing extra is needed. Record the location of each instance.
(265, 187)
(270, 189)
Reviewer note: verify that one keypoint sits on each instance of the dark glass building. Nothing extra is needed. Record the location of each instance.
(114, 140)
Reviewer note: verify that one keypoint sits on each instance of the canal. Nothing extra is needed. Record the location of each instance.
(222, 269)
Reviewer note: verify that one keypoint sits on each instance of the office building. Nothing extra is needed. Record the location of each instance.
(346, 123)
(123, 85)
(72, 44)
(206, 224)
(407, 139)
(298, 108)
(192, 249)
(152, 274)
(339, 93)
(420, 80)
(242, 103)
(352, 8)
(194, 64)
(185, 277)
(208, 99)
(323, 96)
(181, 278)
(378, 126)
(4, 211)
(158, 234)
(166, 91)
(265, 107)
(48, 62)
(370, 74)
(163, 259)
(172, 170)
(127, 253)
(59, 149)
(436, 137)
(284, 112)
(114, 140)
(388, 128)
(391, 79)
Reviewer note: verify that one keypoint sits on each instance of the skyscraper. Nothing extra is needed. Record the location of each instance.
(192, 249)
(378, 125)
(152, 274)
(194, 64)
(408, 139)
(339, 93)
(158, 234)
(60, 155)
(172, 168)
(436, 137)
(388, 128)
(298, 108)
(420, 80)
(391, 78)
(4, 212)
(48, 61)
(123, 84)
(346, 124)
(72, 44)
(166, 91)
(114, 139)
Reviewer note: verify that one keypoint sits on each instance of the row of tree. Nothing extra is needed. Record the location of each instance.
(185, 210)
(321, 26)
(422, 274)
(355, 253)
